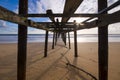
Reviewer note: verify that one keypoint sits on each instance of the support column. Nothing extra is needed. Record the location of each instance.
(46, 44)
(22, 43)
(65, 38)
(69, 40)
(103, 45)
(63, 35)
(53, 40)
(75, 43)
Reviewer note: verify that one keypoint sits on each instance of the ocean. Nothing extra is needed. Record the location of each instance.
(13, 38)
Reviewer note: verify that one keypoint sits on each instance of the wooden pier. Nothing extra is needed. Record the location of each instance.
(63, 28)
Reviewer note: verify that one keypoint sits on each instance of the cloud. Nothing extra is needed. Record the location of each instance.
(110, 2)
(3, 23)
(40, 6)
(114, 28)
(87, 6)
(16, 10)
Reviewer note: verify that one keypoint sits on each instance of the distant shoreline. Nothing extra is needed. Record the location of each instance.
(33, 38)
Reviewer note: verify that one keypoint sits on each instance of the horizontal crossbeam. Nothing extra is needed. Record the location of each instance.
(15, 18)
(61, 15)
(105, 20)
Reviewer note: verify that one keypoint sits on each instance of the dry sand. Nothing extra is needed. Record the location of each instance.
(54, 66)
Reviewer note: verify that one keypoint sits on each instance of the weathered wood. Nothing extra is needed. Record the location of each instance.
(75, 40)
(53, 43)
(65, 39)
(69, 40)
(15, 18)
(75, 43)
(65, 26)
(22, 43)
(46, 44)
(63, 36)
(51, 23)
(104, 20)
(56, 38)
(62, 15)
(69, 8)
(103, 45)
(49, 13)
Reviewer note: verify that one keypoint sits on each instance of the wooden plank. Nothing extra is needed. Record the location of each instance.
(50, 13)
(104, 20)
(53, 43)
(109, 19)
(63, 36)
(102, 45)
(15, 18)
(56, 33)
(46, 44)
(66, 26)
(62, 15)
(70, 7)
(22, 43)
(75, 43)
(65, 39)
(69, 40)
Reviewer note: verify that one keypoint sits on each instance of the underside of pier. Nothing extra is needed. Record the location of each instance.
(62, 28)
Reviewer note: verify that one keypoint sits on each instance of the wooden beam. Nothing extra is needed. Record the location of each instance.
(63, 31)
(62, 15)
(63, 36)
(15, 18)
(46, 44)
(51, 23)
(49, 13)
(22, 43)
(69, 40)
(65, 26)
(56, 38)
(104, 20)
(53, 43)
(70, 7)
(75, 43)
(65, 39)
(103, 45)
(109, 19)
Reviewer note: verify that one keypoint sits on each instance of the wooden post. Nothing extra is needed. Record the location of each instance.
(46, 44)
(75, 43)
(69, 40)
(65, 38)
(53, 40)
(75, 40)
(22, 43)
(103, 45)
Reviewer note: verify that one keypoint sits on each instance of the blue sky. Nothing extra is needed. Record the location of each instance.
(40, 6)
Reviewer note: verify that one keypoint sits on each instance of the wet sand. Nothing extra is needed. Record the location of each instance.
(54, 66)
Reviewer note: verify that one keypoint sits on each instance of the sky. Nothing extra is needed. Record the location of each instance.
(57, 6)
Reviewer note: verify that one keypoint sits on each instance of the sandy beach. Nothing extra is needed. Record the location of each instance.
(54, 66)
